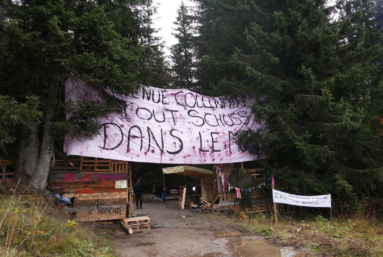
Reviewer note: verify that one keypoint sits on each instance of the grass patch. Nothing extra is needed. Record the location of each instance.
(340, 237)
(31, 225)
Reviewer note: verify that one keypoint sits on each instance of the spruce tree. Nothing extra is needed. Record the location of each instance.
(182, 53)
(220, 31)
(156, 70)
(46, 42)
(316, 72)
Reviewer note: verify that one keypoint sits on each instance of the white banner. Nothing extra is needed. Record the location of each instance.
(174, 126)
(320, 201)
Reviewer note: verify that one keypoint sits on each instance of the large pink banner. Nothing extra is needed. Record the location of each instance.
(167, 126)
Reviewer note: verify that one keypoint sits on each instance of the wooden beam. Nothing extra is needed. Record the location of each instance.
(208, 205)
(93, 208)
(98, 202)
(183, 198)
(86, 177)
(128, 229)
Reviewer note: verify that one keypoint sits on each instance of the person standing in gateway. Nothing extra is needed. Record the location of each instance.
(137, 191)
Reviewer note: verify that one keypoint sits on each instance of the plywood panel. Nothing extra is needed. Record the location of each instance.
(102, 209)
(96, 196)
(86, 177)
(99, 202)
(108, 213)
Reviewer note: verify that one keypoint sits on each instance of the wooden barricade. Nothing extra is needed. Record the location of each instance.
(227, 196)
(95, 164)
(7, 168)
(102, 189)
(62, 166)
(255, 173)
(227, 199)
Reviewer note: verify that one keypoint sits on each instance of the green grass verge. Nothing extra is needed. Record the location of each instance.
(31, 225)
(340, 237)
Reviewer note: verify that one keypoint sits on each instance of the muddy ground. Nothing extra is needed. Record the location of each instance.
(176, 232)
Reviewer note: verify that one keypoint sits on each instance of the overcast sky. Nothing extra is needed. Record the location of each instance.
(167, 14)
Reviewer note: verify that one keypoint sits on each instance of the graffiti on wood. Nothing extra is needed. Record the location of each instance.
(86, 177)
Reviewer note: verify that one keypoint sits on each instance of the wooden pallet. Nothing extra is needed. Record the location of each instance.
(227, 196)
(141, 227)
(137, 221)
(256, 174)
(65, 166)
(93, 182)
(4, 164)
(257, 208)
(256, 194)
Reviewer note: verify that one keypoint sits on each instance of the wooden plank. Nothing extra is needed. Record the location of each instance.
(7, 174)
(83, 184)
(8, 162)
(141, 227)
(210, 204)
(114, 195)
(137, 221)
(91, 184)
(101, 214)
(183, 198)
(99, 202)
(96, 195)
(90, 190)
(86, 177)
(204, 201)
(112, 209)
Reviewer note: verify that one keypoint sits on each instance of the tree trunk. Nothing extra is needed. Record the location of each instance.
(21, 158)
(32, 149)
(41, 171)
(29, 150)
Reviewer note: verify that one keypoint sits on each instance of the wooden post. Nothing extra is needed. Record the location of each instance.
(275, 209)
(241, 165)
(183, 198)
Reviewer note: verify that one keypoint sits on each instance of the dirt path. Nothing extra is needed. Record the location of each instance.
(173, 234)
(177, 236)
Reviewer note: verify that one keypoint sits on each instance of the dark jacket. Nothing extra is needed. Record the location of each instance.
(137, 189)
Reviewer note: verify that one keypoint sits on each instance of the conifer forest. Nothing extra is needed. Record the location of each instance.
(314, 66)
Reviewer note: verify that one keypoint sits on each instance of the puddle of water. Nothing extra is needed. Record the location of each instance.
(185, 216)
(257, 247)
(228, 234)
